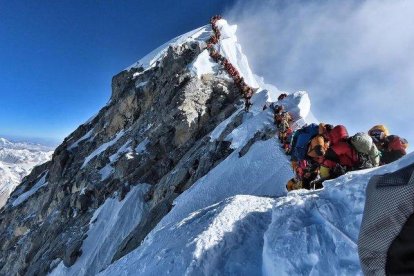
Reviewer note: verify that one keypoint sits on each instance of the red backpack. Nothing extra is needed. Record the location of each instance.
(396, 143)
(337, 134)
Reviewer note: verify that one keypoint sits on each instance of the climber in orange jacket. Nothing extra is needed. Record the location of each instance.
(317, 148)
(337, 157)
(283, 121)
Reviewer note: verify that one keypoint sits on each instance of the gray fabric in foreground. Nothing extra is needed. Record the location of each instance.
(389, 203)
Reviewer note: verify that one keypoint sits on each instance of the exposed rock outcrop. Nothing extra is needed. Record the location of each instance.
(154, 130)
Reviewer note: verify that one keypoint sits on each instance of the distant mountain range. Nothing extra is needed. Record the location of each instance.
(16, 161)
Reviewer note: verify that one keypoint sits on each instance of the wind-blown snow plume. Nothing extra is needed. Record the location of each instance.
(354, 57)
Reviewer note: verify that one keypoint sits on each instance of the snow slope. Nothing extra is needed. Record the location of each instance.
(16, 161)
(317, 232)
(225, 238)
(39, 184)
(150, 60)
(303, 233)
(110, 224)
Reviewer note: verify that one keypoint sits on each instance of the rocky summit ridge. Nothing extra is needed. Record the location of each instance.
(154, 133)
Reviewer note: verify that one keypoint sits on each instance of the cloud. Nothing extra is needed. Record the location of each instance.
(355, 58)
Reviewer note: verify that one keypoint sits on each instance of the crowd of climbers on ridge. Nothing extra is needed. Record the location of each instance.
(318, 152)
(322, 152)
(245, 90)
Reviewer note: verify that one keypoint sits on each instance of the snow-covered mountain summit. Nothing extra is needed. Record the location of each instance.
(16, 161)
(172, 176)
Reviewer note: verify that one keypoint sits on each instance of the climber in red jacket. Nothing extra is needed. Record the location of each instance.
(340, 156)
(392, 147)
(336, 134)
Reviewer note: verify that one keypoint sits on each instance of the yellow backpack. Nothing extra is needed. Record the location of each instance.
(293, 184)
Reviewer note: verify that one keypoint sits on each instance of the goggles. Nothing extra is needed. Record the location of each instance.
(376, 135)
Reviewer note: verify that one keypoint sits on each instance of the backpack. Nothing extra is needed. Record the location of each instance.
(344, 154)
(301, 140)
(296, 128)
(396, 143)
(317, 147)
(367, 150)
(337, 134)
(305, 171)
(293, 184)
(364, 162)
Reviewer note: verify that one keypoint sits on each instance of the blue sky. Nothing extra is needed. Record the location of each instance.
(354, 58)
(57, 58)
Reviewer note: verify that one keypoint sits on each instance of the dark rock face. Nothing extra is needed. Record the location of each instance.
(72, 252)
(163, 116)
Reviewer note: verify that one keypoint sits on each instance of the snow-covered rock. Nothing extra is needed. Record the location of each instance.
(16, 161)
(109, 225)
(229, 48)
(150, 60)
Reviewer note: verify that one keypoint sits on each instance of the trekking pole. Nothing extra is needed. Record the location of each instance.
(318, 181)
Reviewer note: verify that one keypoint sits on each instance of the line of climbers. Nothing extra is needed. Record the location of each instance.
(245, 90)
(322, 152)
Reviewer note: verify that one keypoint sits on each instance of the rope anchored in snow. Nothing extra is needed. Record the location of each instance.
(245, 90)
